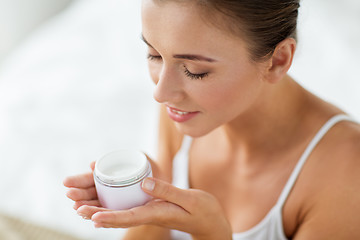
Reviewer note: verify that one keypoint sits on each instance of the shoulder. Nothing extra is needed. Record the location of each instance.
(332, 207)
(341, 146)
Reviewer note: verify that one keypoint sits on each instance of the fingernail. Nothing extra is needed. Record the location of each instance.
(148, 184)
(84, 216)
(97, 225)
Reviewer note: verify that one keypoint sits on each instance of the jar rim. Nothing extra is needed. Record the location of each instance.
(122, 167)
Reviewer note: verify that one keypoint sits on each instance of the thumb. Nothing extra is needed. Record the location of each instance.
(165, 191)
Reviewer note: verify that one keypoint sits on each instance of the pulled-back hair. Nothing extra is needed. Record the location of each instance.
(262, 23)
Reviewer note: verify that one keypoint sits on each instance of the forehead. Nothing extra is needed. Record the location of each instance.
(184, 24)
(172, 19)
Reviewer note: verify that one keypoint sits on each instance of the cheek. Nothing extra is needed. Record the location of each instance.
(230, 93)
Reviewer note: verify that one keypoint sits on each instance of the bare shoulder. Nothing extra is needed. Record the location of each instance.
(332, 209)
(343, 145)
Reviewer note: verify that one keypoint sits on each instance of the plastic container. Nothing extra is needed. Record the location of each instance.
(118, 177)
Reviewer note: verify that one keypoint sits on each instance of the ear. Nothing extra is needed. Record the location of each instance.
(281, 60)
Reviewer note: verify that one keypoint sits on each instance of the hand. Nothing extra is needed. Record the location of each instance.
(192, 211)
(82, 189)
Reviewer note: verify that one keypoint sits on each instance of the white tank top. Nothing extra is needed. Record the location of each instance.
(271, 226)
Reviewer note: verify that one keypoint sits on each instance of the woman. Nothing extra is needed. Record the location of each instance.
(251, 154)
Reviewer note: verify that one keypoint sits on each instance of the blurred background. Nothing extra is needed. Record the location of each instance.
(73, 81)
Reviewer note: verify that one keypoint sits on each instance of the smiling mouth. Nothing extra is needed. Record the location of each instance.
(180, 116)
(179, 112)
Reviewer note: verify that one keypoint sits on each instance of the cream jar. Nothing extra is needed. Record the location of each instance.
(118, 177)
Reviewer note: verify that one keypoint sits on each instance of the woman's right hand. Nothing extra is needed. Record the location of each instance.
(82, 189)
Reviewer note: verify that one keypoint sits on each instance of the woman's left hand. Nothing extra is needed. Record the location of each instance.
(192, 211)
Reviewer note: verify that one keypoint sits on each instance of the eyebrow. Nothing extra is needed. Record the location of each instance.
(145, 41)
(193, 57)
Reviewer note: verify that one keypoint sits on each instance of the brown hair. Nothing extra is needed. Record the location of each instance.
(262, 23)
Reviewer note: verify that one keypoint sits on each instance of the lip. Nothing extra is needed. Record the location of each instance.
(179, 115)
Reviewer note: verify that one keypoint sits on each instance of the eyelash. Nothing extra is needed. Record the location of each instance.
(195, 76)
(153, 57)
(186, 71)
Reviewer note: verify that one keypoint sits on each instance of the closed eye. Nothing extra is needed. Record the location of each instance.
(195, 76)
(154, 57)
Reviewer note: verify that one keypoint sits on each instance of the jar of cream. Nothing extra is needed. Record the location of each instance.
(118, 177)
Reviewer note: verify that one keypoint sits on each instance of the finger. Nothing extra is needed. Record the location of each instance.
(88, 211)
(78, 204)
(102, 225)
(157, 212)
(78, 194)
(166, 191)
(92, 165)
(85, 180)
(121, 219)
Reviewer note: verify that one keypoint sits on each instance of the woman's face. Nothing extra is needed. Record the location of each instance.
(203, 75)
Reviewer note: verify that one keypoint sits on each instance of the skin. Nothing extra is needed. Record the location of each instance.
(256, 120)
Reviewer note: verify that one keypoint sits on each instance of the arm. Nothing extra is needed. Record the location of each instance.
(335, 218)
(334, 212)
(169, 141)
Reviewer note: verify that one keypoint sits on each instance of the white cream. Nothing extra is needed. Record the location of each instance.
(120, 170)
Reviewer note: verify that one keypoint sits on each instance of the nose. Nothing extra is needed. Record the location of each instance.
(169, 87)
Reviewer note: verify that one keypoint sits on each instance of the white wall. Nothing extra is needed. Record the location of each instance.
(327, 61)
(19, 17)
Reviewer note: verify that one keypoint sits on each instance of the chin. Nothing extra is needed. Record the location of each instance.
(194, 132)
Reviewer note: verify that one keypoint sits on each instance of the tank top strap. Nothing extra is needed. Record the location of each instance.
(313, 143)
(181, 164)
(186, 144)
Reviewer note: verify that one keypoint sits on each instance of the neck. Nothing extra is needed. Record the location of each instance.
(272, 121)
